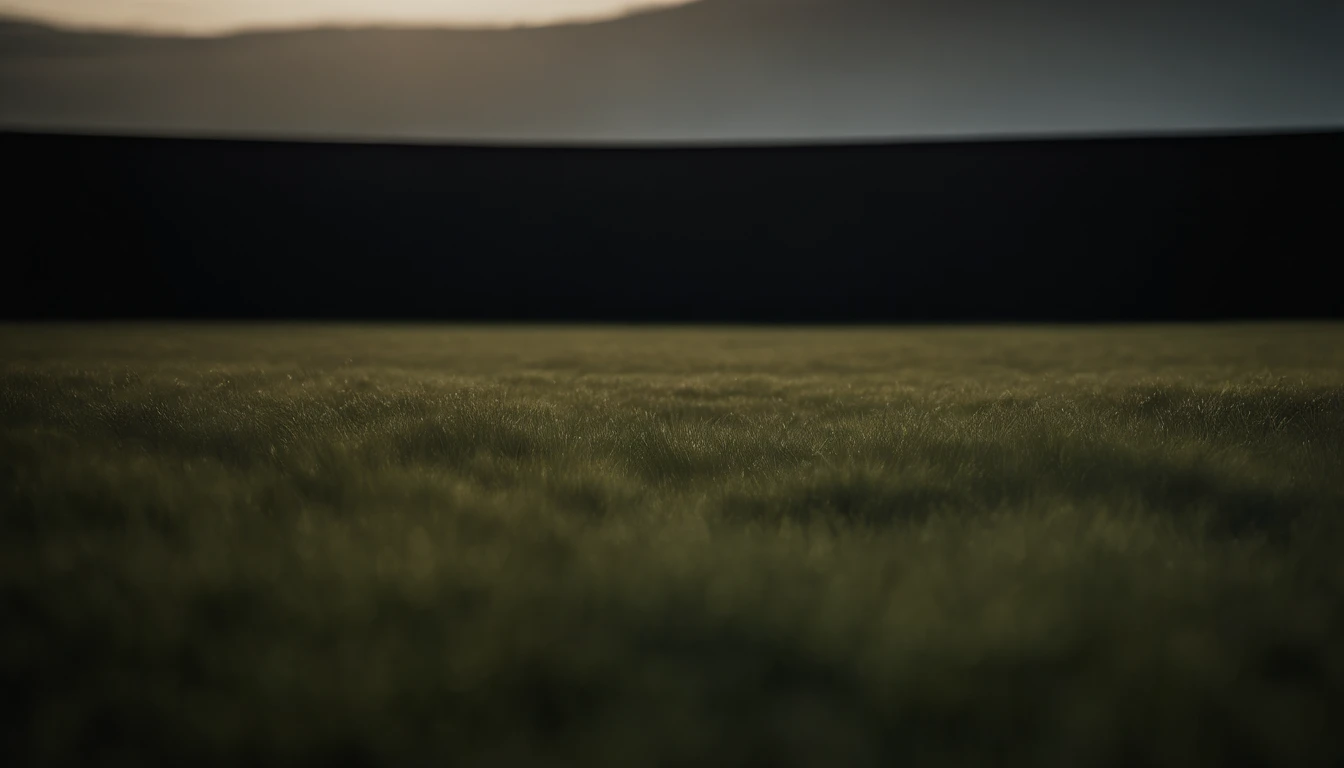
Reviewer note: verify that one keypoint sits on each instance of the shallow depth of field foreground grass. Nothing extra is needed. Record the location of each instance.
(495, 547)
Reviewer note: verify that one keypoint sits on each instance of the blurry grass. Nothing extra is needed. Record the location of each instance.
(283, 545)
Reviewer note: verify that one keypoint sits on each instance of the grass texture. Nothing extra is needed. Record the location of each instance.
(500, 546)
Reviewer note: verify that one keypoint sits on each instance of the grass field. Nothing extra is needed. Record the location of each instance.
(510, 546)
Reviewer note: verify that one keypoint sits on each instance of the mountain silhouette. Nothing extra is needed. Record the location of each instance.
(713, 70)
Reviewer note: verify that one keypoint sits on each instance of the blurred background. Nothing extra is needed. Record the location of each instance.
(705, 71)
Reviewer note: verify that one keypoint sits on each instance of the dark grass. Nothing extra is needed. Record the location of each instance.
(495, 546)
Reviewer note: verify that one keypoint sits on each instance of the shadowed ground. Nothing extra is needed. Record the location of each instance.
(519, 546)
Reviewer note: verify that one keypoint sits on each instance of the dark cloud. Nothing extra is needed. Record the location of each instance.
(719, 69)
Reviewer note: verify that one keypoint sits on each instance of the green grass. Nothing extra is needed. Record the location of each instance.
(476, 546)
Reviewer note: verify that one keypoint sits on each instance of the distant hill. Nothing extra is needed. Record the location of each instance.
(717, 69)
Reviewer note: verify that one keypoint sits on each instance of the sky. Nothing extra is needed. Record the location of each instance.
(739, 71)
(218, 16)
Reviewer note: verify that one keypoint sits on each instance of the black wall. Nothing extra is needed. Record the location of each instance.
(1110, 229)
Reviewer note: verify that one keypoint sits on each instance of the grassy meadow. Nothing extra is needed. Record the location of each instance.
(368, 545)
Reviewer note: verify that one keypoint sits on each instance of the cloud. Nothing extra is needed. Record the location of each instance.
(216, 16)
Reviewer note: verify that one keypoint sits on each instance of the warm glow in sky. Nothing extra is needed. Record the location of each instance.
(210, 16)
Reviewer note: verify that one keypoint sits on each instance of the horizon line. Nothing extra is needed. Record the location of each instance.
(874, 142)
